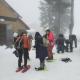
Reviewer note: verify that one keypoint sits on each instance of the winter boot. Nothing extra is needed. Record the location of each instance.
(38, 69)
(41, 66)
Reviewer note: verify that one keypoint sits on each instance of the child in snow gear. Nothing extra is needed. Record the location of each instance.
(60, 43)
(41, 51)
(50, 37)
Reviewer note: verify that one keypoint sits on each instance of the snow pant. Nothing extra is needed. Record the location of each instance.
(20, 53)
(67, 47)
(75, 42)
(60, 48)
(42, 62)
(25, 53)
(71, 47)
(50, 54)
(28, 56)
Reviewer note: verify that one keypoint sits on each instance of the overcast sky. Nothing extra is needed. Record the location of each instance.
(28, 9)
(30, 12)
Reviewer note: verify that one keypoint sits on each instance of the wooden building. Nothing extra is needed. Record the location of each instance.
(10, 21)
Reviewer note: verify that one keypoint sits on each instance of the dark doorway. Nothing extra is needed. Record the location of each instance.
(6, 35)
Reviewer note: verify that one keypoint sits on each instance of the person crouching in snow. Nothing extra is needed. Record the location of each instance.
(26, 48)
(50, 37)
(41, 51)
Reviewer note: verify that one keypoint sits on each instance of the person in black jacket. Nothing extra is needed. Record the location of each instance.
(40, 50)
(19, 49)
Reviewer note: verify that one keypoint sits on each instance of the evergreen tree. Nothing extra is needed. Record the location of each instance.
(54, 14)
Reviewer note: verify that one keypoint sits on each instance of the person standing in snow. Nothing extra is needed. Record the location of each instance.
(19, 51)
(41, 51)
(26, 47)
(50, 37)
(60, 43)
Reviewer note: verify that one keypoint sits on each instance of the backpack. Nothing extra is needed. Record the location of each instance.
(19, 44)
(16, 53)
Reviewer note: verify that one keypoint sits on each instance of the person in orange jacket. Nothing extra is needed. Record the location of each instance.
(50, 37)
(26, 47)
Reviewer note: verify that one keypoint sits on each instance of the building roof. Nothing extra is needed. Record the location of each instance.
(8, 5)
(7, 18)
(24, 23)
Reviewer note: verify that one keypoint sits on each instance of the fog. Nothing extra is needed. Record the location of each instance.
(30, 13)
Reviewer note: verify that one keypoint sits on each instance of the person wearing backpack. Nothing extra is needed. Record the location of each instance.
(26, 49)
(19, 50)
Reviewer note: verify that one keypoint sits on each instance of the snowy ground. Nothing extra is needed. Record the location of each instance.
(56, 70)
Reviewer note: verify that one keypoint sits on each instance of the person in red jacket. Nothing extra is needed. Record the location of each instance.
(50, 37)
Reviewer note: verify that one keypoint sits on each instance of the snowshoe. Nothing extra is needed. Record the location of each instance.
(19, 69)
(26, 68)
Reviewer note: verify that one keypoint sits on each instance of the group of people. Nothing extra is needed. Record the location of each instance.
(43, 46)
(66, 44)
(22, 45)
